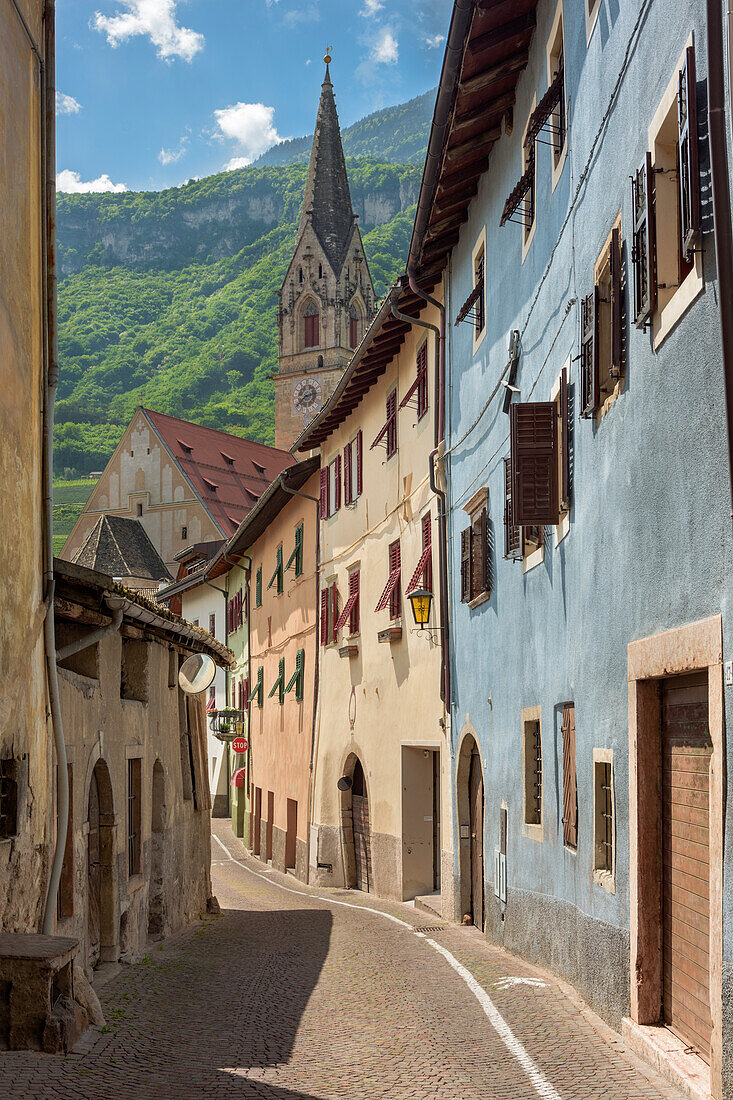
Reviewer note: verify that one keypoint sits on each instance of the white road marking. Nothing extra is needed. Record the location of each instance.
(508, 982)
(541, 1085)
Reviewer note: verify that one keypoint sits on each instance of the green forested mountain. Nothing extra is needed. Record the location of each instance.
(169, 297)
(395, 134)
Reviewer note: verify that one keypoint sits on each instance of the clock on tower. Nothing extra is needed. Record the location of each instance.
(307, 395)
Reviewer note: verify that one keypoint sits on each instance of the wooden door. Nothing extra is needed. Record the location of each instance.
(291, 833)
(476, 797)
(94, 875)
(257, 820)
(686, 754)
(362, 830)
(270, 816)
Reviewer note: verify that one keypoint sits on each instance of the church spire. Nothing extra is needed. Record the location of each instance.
(327, 199)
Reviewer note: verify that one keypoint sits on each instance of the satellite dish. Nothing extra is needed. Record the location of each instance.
(196, 673)
(345, 783)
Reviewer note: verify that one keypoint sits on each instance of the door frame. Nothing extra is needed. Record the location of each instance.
(468, 745)
(694, 647)
(108, 923)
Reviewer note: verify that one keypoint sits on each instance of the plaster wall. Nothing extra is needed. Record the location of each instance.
(238, 641)
(648, 546)
(101, 726)
(25, 736)
(281, 736)
(141, 471)
(388, 696)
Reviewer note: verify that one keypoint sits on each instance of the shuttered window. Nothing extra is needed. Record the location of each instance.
(418, 391)
(644, 247)
(475, 558)
(258, 587)
(296, 680)
(324, 493)
(601, 314)
(334, 611)
(512, 533)
(387, 434)
(277, 576)
(534, 463)
(480, 306)
(296, 558)
(350, 611)
(134, 816)
(466, 536)
(324, 617)
(589, 354)
(336, 464)
(279, 685)
(348, 472)
(312, 333)
(616, 289)
(258, 690)
(532, 773)
(569, 779)
(689, 172)
(391, 593)
(359, 449)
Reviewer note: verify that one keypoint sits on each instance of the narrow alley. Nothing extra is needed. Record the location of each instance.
(292, 994)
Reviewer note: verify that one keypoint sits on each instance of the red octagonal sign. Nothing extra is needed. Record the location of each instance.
(240, 744)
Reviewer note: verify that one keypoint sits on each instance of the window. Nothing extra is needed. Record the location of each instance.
(353, 328)
(529, 204)
(227, 458)
(212, 621)
(329, 613)
(258, 689)
(475, 556)
(423, 575)
(296, 680)
(172, 668)
(278, 574)
(211, 701)
(279, 685)
(602, 329)
(535, 463)
(134, 816)
(388, 432)
(334, 488)
(320, 271)
(300, 274)
(592, 7)
(418, 391)
(532, 767)
(139, 509)
(296, 558)
(352, 469)
(258, 587)
(311, 326)
(556, 79)
(8, 798)
(65, 895)
(391, 595)
(479, 317)
(184, 532)
(604, 845)
(666, 257)
(569, 779)
(234, 613)
(350, 613)
(134, 669)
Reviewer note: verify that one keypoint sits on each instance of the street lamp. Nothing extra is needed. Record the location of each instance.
(421, 600)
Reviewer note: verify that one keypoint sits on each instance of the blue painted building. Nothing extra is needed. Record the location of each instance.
(566, 205)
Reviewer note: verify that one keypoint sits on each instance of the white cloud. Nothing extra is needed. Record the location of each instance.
(66, 104)
(435, 40)
(157, 20)
(385, 49)
(371, 7)
(73, 184)
(172, 156)
(309, 61)
(250, 126)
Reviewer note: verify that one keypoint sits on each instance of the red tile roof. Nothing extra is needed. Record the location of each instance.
(227, 489)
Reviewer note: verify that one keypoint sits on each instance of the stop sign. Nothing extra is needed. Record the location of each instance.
(240, 744)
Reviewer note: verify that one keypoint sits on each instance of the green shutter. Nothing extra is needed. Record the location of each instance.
(297, 555)
(278, 574)
(279, 685)
(259, 688)
(296, 680)
(258, 587)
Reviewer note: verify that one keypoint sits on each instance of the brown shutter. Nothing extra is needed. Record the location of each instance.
(334, 611)
(324, 616)
(535, 491)
(358, 463)
(484, 531)
(644, 246)
(478, 554)
(589, 376)
(689, 172)
(347, 474)
(564, 441)
(569, 779)
(324, 493)
(512, 534)
(337, 483)
(616, 303)
(466, 564)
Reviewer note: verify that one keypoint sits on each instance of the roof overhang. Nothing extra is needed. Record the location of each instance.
(486, 52)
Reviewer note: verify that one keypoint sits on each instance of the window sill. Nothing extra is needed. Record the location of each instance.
(349, 651)
(391, 633)
(478, 600)
(478, 340)
(557, 169)
(532, 832)
(134, 882)
(527, 241)
(562, 528)
(534, 559)
(691, 288)
(605, 879)
(137, 702)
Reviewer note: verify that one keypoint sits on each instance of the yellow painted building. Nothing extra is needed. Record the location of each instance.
(381, 818)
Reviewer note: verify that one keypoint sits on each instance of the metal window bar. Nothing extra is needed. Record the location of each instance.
(537, 770)
(607, 815)
(511, 211)
(130, 817)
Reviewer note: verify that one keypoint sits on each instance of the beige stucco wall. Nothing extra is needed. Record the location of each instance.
(238, 642)
(386, 701)
(98, 724)
(141, 471)
(281, 736)
(24, 734)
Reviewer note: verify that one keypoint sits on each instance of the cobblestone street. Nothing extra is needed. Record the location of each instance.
(287, 995)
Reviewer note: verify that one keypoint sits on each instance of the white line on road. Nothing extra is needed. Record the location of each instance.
(541, 1084)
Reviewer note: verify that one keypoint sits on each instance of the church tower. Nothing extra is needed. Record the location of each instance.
(327, 301)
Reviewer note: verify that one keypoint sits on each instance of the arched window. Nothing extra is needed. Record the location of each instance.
(320, 362)
(320, 271)
(300, 274)
(312, 333)
(353, 328)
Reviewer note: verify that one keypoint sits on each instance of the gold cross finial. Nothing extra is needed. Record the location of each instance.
(327, 56)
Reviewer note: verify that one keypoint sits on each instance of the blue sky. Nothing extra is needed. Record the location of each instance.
(154, 92)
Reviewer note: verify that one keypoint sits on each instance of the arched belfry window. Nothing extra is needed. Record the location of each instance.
(320, 271)
(353, 327)
(300, 274)
(312, 336)
(320, 361)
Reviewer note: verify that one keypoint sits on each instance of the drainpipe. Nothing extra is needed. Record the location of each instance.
(721, 207)
(115, 605)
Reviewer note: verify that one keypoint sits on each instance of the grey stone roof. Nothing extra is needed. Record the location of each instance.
(327, 197)
(120, 547)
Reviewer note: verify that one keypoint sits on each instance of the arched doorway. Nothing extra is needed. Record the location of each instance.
(470, 799)
(101, 924)
(156, 893)
(356, 827)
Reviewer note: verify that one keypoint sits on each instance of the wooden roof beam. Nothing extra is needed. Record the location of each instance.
(511, 65)
(480, 146)
(515, 28)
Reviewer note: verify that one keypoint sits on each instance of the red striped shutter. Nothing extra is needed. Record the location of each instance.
(427, 543)
(358, 463)
(395, 600)
(334, 611)
(354, 591)
(337, 483)
(324, 616)
(347, 474)
(324, 493)
(391, 439)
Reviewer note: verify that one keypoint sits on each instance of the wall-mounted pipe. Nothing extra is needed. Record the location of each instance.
(92, 637)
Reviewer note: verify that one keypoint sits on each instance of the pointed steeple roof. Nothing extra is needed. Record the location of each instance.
(327, 198)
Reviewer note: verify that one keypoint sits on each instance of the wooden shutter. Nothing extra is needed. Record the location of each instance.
(347, 473)
(337, 483)
(479, 554)
(533, 434)
(324, 493)
(422, 381)
(616, 303)
(391, 423)
(466, 539)
(312, 331)
(569, 779)
(644, 245)
(334, 611)
(395, 563)
(564, 441)
(689, 171)
(512, 534)
(353, 332)
(324, 616)
(427, 544)
(359, 449)
(258, 587)
(589, 376)
(354, 591)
